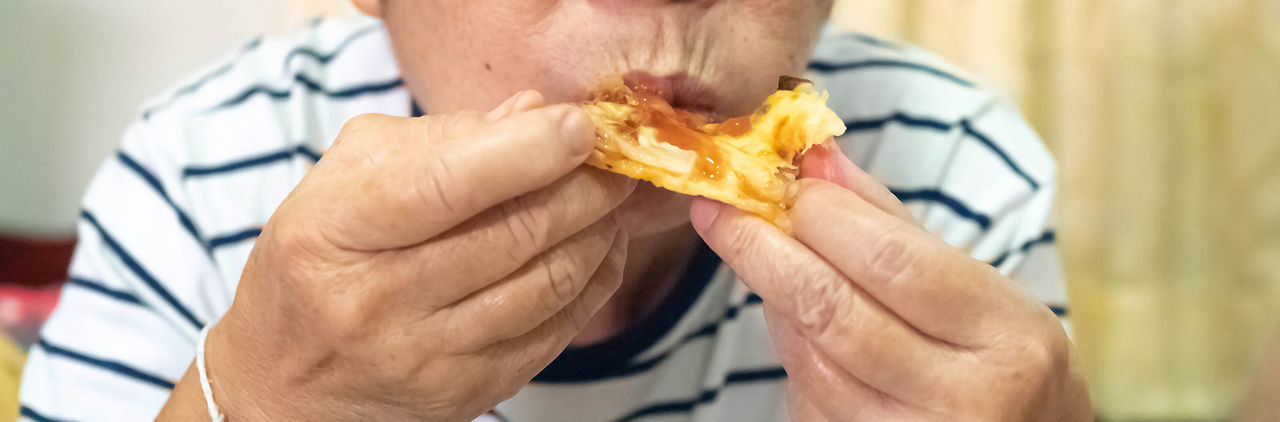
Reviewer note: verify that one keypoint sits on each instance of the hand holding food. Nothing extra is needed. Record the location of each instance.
(426, 269)
(877, 319)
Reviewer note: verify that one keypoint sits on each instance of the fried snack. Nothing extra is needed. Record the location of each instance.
(748, 161)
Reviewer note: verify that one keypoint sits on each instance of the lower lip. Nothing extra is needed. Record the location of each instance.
(679, 90)
(647, 83)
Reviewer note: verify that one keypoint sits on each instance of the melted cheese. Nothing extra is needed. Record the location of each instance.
(748, 162)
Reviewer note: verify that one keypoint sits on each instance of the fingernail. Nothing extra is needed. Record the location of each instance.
(703, 213)
(816, 163)
(577, 131)
(844, 166)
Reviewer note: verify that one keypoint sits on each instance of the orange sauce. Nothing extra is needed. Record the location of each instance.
(682, 128)
(736, 126)
(673, 131)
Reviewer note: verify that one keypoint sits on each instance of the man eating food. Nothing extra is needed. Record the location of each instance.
(418, 216)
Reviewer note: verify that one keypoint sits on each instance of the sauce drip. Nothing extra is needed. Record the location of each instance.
(736, 126)
(683, 129)
(673, 130)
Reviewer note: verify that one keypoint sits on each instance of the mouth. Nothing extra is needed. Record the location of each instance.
(679, 90)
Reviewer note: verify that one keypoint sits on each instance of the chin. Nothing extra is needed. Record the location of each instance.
(651, 210)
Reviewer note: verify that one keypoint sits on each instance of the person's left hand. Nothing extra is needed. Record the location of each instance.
(876, 319)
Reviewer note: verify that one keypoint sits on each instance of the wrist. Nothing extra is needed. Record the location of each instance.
(185, 403)
(242, 386)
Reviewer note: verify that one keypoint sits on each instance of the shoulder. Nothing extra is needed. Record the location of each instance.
(224, 147)
(956, 152)
(867, 75)
(280, 90)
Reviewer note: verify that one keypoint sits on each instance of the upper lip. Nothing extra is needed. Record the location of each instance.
(680, 90)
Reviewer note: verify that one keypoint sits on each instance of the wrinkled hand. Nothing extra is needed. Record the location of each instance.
(875, 319)
(425, 269)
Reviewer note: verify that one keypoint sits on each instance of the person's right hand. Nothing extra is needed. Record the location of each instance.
(425, 269)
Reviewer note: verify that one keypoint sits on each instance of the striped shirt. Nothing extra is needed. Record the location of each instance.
(170, 219)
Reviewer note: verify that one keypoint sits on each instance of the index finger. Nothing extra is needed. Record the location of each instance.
(425, 188)
(928, 283)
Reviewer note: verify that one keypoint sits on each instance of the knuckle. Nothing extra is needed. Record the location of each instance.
(525, 224)
(295, 251)
(348, 317)
(460, 328)
(507, 386)
(817, 302)
(465, 383)
(438, 190)
(578, 317)
(359, 126)
(359, 122)
(610, 273)
(559, 270)
(893, 256)
(1037, 357)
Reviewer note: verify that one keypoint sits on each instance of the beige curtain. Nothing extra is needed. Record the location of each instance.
(1165, 119)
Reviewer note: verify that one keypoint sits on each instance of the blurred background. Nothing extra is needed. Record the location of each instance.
(1164, 116)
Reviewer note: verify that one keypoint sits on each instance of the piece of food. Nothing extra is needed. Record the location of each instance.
(747, 161)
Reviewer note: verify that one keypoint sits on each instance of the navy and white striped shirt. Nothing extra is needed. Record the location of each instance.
(169, 221)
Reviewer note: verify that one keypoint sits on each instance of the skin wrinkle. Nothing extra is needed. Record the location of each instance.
(889, 234)
(710, 41)
(927, 289)
(376, 369)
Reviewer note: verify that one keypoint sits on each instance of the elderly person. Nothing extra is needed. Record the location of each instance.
(450, 258)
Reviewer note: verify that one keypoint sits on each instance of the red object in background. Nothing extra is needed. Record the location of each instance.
(34, 262)
(32, 271)
(23, 311)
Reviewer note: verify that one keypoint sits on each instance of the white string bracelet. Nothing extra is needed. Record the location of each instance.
(214, 414)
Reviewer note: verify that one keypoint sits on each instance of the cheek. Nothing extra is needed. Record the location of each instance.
(790, 26)
(471, 54)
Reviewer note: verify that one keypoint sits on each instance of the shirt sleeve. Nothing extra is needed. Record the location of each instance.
(142, 285)
(1029, 255)
(1021, 240)
(1002, 176)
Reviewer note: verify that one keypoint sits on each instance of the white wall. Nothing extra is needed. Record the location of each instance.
(73, 74)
